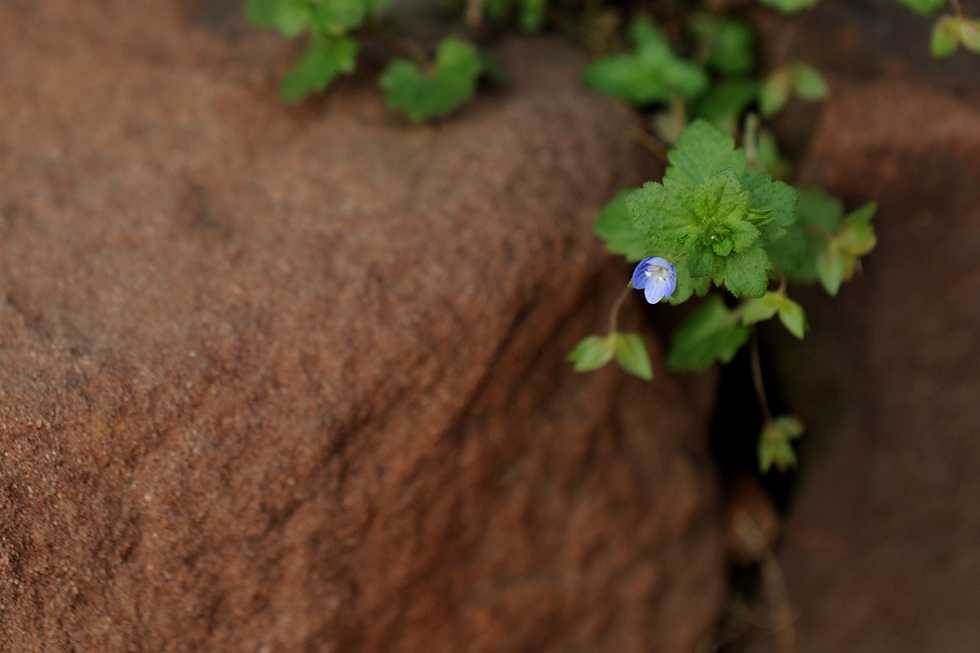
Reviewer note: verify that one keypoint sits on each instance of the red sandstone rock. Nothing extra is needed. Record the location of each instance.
(292, 379)
(882, 551)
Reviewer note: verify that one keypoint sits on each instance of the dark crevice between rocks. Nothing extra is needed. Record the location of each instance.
(734, 437)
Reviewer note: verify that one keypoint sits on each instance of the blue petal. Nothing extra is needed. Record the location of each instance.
(640, 279)
(661, 262)
(672, 283)
(655, 292)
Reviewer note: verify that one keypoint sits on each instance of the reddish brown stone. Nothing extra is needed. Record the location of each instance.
(292, 379)
(882, 551)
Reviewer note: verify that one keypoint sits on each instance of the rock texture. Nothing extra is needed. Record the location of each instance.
(291, 380)
(881, 551)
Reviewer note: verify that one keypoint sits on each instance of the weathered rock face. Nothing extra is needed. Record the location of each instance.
(881, 550)
(292, 379)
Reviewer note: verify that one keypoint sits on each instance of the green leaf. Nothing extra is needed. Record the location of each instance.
(653, 73)
(808, 83)
(530, 12)
(687, 285)
(857, 235)
(831, 268)
(790, 6)
(427, 96)
(924, 7)
(290, 17)
(747, 275)
(631, 354)
(774, 199)
(724, 103)
(711, 333)
(945, 37)
(613, 224)
(336, 17)
(593, 352)
(796, 253)
(701, 152)
(732, 46)
(319, 64)
(775, 447)
(762, 308)
(792, 316)
(663, 214)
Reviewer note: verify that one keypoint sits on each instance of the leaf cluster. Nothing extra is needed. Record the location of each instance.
(712, 217)
(330, 50)
(451, 81)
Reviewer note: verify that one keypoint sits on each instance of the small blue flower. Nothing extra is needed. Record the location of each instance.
(656, 277)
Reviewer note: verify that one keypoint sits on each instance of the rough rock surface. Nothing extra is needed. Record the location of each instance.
(291, 380)
(881, 551)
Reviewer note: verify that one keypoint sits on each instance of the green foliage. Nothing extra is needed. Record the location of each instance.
(652, 73)
(330, 50)
(924, 7)
(790, 313)
(712, 333)
(798, 78)
(775, 448)
(628, 349)
(530, 12)
(613, 225)
(951, 32)
(632, 356)
(593, 352)
(711, 217)
(726, 101)
(727, 44)
(790, 6)
(451, 83)
(323, 59)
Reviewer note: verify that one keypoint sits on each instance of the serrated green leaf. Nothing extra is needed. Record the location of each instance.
(724, 103)
(793, 318)
(319, 64)
(632, 356)
(747, 275)
(762, 308)
(613, 224)
(773, 199)
(687, 285)
(808, 83)
(593, 352)
(702, 151)
(290, 17)
(831, 268)
(945, 37)
(924, 7)
(663, 214)
(653, 73)
(790, 6)
(712, 333)
(422, 96)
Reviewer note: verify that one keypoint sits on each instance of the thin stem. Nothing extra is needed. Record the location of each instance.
(785, 39)
(648, 141)
(958, 8)
(760, 389)
(614, 313)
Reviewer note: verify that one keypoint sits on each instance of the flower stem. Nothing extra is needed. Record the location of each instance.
(958, 8)
(614, 313)
(760, 388)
